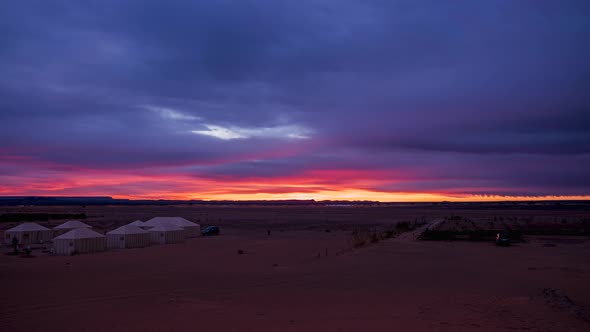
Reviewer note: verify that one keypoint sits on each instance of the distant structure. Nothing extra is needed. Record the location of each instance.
(166, 233)
(74, 236)
(128, 236)
(191, 229)
(139, 224)
(28, 233)
(68, 226)
(79, 240)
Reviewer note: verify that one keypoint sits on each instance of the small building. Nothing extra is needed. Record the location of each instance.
(79, 240)
(166, 233)
(128, 236)
(68, 226)
(28, 233)
(191, 229)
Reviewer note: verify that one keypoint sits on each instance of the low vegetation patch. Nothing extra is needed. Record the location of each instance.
(361, 237)
(556, 298)
(456, 228)
(575, 229)
(477, 235)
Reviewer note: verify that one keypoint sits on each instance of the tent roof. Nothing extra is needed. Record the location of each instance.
(79, 233)
(178, 221)
(138, 223)
(28, 227)
(163, 227)
(127, 229)
(70, 224)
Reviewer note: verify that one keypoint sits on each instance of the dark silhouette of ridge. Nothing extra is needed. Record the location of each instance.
(106, 200)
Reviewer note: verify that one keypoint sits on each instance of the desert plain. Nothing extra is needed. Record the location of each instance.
(308, 274)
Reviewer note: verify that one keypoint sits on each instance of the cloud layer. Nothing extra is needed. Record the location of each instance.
(306, 99)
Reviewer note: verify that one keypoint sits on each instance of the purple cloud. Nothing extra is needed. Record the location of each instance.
(462, 98)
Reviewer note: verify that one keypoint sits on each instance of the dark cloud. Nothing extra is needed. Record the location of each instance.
(230, 90)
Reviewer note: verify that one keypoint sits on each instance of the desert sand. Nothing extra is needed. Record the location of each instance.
(305, 276)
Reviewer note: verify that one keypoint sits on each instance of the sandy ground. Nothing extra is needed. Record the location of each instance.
(294, 217)
(304, 277)
(302, 280)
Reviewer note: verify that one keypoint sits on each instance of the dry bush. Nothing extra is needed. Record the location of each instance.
(361, 237)
(388, 233)
(408, 226)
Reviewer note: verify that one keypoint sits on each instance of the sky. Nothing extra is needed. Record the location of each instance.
(272, 99)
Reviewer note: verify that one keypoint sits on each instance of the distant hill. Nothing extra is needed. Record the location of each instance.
(106, 200)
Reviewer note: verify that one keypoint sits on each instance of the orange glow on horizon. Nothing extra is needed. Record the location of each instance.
(318, 185)
(355, 195)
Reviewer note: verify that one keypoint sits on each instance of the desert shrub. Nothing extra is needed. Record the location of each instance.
(404, 225)
(453, 217)
(389, 233)
(357, 238)
(407, 226)
(471, 235)
(437, 235)
(374, 237)
(363, 236)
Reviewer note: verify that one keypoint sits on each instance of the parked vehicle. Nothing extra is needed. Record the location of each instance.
(210, 230)
(502, 239)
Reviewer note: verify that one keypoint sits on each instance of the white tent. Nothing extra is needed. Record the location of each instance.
(28, 233)
(139, 223)
(128, 236)
(191, 229)
(68, 226)
(79, 240)
(71, 224)
(166, 233)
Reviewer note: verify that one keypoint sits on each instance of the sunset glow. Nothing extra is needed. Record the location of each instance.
(128, 186)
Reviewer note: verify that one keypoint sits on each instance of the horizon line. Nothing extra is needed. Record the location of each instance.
(508, 199)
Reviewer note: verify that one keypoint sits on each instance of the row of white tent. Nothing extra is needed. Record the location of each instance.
(78, 237)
